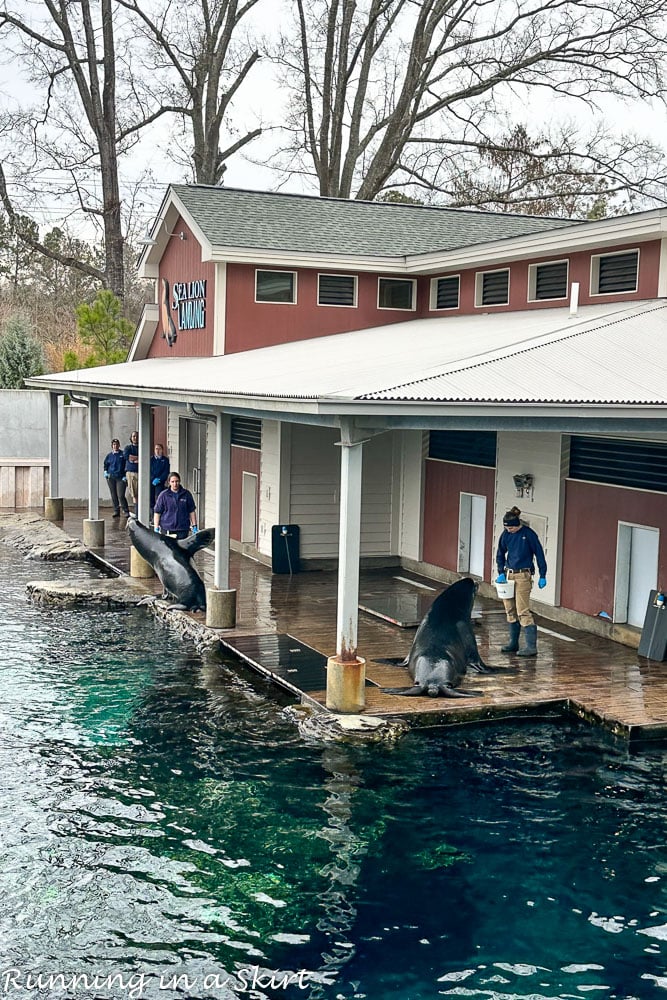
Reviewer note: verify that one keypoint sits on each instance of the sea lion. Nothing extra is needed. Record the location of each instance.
(444, 646)
(170, 558)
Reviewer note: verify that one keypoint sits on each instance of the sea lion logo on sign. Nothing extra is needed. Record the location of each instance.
(188, 301)
(168, 328)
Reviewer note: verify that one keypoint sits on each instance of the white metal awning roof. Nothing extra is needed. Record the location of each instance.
(609, 355)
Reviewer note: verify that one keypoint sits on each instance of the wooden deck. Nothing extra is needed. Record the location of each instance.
(575, 672)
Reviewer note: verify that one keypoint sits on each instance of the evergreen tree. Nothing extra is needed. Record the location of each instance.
(103, 327)
(21, 355)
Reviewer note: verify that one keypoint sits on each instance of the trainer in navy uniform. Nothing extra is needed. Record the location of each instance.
(518, 550)
(175, 510)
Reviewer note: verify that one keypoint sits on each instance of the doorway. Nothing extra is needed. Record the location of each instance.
(194, 463)
(636, 571)
(249, 508)
(472, 534)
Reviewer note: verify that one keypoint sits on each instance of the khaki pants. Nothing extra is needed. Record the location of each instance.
(133, 486)
(518, 608)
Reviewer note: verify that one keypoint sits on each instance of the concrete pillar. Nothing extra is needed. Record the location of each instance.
(139, 568)
(93, 533)
(144, 499)
(93, 459)
(223, 450)
(220, 608)
(349, 545)
(53, 508)
(54, 465)
(346, 684)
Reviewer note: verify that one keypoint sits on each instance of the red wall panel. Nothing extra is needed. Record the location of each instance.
(243, 460)
(181, 262)
(579, 271)
(592, 513)
(444, 481)
(250, 324)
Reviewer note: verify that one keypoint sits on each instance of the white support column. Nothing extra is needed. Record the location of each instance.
(53, 504)
(93, 459)
(93, 527)
(349, 550)
(144, 500)
(54, 476)
(346, 672)
(220, 599)
(223, 464)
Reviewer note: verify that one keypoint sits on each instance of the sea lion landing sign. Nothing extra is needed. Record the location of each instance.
(171, 560)
(444, 646)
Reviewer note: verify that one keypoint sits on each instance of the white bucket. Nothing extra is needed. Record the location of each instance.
(506, 590)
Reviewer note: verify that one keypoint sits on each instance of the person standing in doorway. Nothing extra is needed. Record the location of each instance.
(175, 511)
(518, 550)
(131, 453)
(114, 473)
(159, 473)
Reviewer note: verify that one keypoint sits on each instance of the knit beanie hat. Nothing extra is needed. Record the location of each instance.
(511, 518)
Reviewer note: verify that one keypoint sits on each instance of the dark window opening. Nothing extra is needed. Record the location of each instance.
(465, 447)
(638, 464)
(247, 432)
(336, 290)
(275, 286)
(395, 293)
(618, 272)
(495, 288)
(447, 293)
(551, 280)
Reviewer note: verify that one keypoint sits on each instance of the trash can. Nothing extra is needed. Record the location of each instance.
(285, 548)
(653, 642)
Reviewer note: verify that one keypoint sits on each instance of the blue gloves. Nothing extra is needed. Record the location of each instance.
(542, 582)
(156, 530)
(155, 482)
(501, 578)
(195, 529)
(106, 475)
(124, 479)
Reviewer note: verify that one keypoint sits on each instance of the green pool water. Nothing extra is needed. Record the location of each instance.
(166, 832)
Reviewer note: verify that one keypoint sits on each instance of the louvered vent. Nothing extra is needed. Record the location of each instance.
(336, 290)
(447, 294)
(551, 280)
(618, 272)
(640, 464)
(466, 447)
(247, 432)
(495, 288)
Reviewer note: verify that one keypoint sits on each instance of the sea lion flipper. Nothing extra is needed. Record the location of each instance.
(411, 692)
(193, 543)
(394, 661)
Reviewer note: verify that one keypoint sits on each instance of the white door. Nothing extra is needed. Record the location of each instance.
(643, 571)
(249, 508)
(472, 534)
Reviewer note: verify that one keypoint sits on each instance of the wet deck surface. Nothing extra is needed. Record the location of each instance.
(594, 678)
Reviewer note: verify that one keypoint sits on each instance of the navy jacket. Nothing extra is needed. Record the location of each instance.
(131, 452)
(114, 464)
(516, 550)
(175, 509)
(159, 468)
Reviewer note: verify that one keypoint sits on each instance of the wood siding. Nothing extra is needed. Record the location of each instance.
(592, 513)
(243, 460)
(444, 482)
(250, 324)
(181, 262)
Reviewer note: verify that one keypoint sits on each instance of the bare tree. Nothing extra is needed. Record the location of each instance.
(73, 49)
(388, 93)
(198, 62)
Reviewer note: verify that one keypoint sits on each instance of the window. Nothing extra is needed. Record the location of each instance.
(445, 292)
(465, 447)
(548, 281)
(275, 286)
(614, 272)
(637, 464)
(396, 293)
(492, 288)
(246, 432)
(336, 290)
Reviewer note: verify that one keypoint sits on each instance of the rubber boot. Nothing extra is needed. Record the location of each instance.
(530, 647)
(513, 644)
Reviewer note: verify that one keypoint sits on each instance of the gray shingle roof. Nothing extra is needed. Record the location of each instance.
(304, 224)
